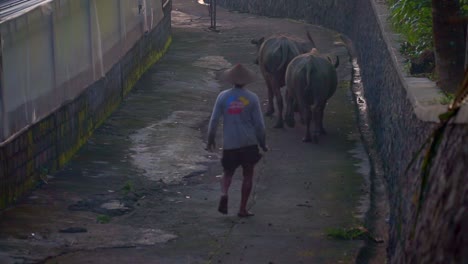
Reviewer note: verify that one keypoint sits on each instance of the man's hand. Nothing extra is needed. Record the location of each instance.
(211, 146)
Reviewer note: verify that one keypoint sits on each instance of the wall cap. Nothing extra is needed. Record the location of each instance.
(423, 93)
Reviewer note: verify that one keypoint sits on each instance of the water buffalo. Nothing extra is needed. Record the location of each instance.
(274, 55)
(310, 80)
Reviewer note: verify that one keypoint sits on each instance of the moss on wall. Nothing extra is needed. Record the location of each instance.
(52, 142)
(152, 58)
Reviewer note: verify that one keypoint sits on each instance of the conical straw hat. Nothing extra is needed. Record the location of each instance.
(238, 74)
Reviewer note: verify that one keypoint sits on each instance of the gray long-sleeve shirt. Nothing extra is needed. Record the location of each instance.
(242, 119)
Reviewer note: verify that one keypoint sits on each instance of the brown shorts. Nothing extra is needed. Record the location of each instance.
(233, 158)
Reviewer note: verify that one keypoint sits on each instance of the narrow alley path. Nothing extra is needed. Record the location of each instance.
(144, 190)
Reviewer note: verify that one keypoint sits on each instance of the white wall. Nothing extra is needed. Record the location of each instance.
(53, 52)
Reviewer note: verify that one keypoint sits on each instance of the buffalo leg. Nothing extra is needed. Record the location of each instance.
(271, 108)
(296, 109)
(316, 110)
(320, 114)
(290, 105)
(279, 104)
(305, 113)
(308, 119)
(301, 106)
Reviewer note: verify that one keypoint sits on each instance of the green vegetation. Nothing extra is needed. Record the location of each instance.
(103, 219)
(447, 98)
(413, 19)
(343, 84)
(347, 233)
(128, 187)
(43, 171)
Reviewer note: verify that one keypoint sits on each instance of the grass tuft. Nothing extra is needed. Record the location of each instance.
(347, 233)
(447, 98)
(103, 219)
(128, 187)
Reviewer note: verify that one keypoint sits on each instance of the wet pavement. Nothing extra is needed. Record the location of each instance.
(144, 190)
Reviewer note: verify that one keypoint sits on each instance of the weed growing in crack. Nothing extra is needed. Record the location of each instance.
(103, 219)
(128, 187)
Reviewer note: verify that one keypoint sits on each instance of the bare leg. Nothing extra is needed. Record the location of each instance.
(247, 182)
(225, 183)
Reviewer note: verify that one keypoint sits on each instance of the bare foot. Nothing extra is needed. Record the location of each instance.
(245, 214)
(223, 204)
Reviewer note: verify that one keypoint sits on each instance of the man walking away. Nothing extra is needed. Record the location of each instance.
(243, 132)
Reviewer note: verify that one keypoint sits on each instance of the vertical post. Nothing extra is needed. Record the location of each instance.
(91, 40)
(214, 14)
(212, 9)
(2, 106)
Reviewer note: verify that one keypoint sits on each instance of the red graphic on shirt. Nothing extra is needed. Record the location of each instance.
(235, 107)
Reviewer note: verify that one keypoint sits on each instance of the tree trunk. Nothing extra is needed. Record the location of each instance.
(449, 43)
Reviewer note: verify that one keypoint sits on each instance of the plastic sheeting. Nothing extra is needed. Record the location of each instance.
(53, 52)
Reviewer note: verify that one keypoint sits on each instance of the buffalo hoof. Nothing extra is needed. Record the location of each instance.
(279, 125)
(296, 109)
(290, 124)
(269, 112)
(310, 139)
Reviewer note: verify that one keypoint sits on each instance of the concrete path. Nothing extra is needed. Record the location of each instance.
(144, 190)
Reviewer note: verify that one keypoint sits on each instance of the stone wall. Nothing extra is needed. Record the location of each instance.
(435, 227)
(47, 145)
(404, 112)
